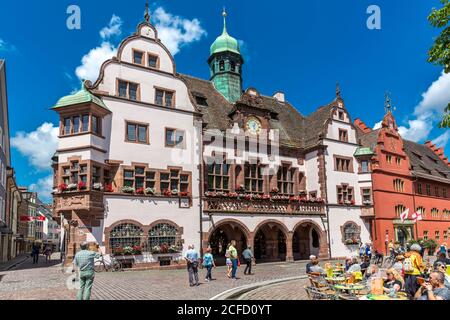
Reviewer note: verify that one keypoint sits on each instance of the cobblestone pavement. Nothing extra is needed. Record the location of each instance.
(292, 290)
(47, 282)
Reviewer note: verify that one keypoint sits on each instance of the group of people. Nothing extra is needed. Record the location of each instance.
(409, 273)
(193, 260)
(36, 250)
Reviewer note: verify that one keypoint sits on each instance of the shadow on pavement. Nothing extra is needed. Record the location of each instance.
(28, 263)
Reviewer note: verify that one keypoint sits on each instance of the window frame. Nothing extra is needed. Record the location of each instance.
(136, 130)
(175, 145)
(142, 57)
(138, 89)
(343, 132)
(339, 168)
(165, 91)
(153, 55)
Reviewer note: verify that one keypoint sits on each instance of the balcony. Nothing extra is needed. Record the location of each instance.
(85, 201)
(244, 206)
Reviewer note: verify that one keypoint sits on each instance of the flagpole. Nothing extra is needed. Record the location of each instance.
(415, 211)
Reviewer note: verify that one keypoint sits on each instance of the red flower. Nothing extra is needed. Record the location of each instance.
(353, 202)
(140, 191)
(81, 185)
(184, 194)
(62, 187)
(109, 188)
(167, 193)
(341, 202)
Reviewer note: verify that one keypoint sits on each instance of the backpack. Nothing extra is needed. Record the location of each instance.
(408, 265)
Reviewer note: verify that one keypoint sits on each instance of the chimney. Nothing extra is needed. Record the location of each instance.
(361, 125)
(280, 96)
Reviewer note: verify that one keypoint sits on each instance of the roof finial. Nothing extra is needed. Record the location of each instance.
(338, 90)
(387, 102)
(224, 15)
(147, 13)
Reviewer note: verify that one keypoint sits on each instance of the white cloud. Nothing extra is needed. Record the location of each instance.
(175, 31)
(442, 140)
(44, 188)
(92, 61)
(113, 28)
(377, 125)
(5, 46)
(429, 111)
(38, 146)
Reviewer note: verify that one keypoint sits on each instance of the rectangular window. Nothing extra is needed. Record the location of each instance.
(398, 160)
(343, 135)
(341, 115)
(254, 182)
(425, 235)
(389, 159)
(152, 61)
(218, 177)
(174, 138)
(428, 188)
(343, 164)
(76, 124)
(128, 90)
(436, 191)
(366, 195)
(419, 188)
(85, 123)
(137, 133)
(164, 98)
(67, 126)
(285, 180)
(138, 57)
(365, 166)
(437, 235)
(344, 194)
(95, 125)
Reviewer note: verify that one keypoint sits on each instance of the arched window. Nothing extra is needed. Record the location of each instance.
(125, 235)
(351, 233)
(222, 65)
(233, 66)
(162, 234)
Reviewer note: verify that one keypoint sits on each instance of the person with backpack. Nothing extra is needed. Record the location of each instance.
(208, 263)
(412, 267)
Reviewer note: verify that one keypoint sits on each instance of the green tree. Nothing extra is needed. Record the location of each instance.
(439, 54)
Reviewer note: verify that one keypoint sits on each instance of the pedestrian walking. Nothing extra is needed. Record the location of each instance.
(208, 263)
(192, 265)
(228, 262)
(248, 258)
(35, 250)
(84, 263)
(234, 259)
(48, 253)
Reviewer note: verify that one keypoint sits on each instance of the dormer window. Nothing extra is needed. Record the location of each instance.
(341, 115)
(343, 135)
(201, 101)
(153, 61)
(138, 57)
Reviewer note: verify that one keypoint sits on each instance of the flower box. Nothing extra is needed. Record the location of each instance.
(130, 190)
(81, 185)
(72, 187)
(150, 191)
(97, 186)
(140, 191)
(109, 188)
(62, 187)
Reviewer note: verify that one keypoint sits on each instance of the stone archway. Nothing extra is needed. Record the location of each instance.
(308, 239)
(270, 242)
(221, 236)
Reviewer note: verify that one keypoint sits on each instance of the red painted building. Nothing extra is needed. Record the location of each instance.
(406, 175)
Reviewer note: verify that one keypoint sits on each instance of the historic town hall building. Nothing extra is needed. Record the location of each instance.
(150, 161)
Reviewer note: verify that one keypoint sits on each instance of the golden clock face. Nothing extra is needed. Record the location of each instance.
(253, 126)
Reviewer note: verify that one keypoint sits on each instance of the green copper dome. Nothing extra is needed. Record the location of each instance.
(225, 42)
(82, 96)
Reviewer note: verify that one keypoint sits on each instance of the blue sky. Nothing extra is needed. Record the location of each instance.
(300, 47)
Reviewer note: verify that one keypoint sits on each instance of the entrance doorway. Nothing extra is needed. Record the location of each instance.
(270, 244)
(222, 236)
(306, 242)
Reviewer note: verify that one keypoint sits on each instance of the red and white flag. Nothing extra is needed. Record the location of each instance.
(417, 216)
(404, 215)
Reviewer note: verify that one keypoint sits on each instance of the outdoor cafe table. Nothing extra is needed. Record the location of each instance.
(349, 287)
(335, 280)
(383, 297)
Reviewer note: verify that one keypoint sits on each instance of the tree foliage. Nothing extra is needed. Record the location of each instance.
(439, 54)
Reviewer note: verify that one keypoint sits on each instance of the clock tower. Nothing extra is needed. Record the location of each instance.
(225, 63)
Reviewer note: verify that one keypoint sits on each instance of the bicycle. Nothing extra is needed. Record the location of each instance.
(104, 266)
(377, 259)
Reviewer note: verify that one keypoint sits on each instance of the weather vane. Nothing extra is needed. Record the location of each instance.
(387, 102)
(338, 90)
(147, 13)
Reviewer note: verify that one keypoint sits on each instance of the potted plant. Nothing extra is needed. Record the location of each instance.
(118, 251)
(174, 249)
(128, 251)
(156, 250)
(81, 185)
(137, 250)
(97, 186)
(367, 202)
(184, 194)
(129, 190)
(352, 202)
(233, 195)
(62, 187)
(167, 193)
(140, 191)
(150, 191)
(109, 187)
(248, 197)
(341, 202)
